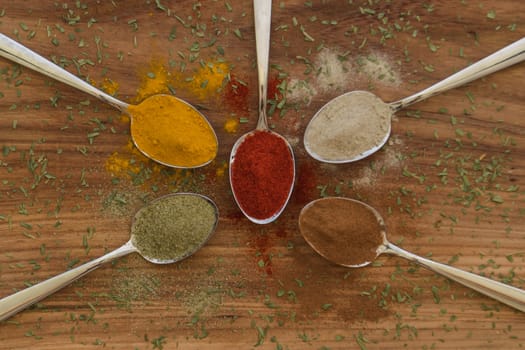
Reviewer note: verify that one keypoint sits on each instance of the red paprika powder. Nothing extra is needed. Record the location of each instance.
(262, 174)
(236, 94)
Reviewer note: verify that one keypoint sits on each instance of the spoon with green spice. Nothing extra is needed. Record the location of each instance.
(351, 233)
(356, 124)
(153, 121)
(166, 230)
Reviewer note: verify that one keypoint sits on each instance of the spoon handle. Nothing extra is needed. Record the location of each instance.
(15, 303)
(502, 292)
(506, 57)
(262, 10)
(20, 54)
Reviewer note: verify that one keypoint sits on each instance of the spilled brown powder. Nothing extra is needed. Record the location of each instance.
(342, 230)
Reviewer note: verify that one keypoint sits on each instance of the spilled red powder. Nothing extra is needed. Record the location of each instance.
(306, 187)
(281, 232)
(264, 260)
(262, 243)
(273, 88)
(236, 94)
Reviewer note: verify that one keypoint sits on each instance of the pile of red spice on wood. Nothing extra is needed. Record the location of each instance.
(236, 94)
(262, 174)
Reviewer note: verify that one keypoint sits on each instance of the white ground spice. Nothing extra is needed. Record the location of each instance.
(378, 68)
(338, 72)
(333, 73)
(348, 127)
(300, 91)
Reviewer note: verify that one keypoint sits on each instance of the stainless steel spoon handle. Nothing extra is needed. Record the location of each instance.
(506, 57)
(15, 303)
(502, 292)
(262, 11)
(20, 54)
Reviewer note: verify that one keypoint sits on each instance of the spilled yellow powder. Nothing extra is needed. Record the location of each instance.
(231, 126)
(221, 169)
(131, 165)
(124, 163)
(109, 86)
(129, 162)
(207, 81)
(155, 79)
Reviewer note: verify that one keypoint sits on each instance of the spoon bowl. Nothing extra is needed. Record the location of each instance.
(160, 149)
(342, 240)
(262, 14)
(357, 124)
(17, 302)
(284, 147)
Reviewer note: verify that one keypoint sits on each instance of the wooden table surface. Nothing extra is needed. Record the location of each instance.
(450, 181)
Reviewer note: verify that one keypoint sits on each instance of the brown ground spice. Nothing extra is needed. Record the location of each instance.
(342, 230)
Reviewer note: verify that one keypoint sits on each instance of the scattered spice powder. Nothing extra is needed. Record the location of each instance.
(154, 80)
(172, 132)
(342, 230)
(306, 183)
(231, 126)
(174, 226)
(207, 81)
(221, 169)
(109, 86)
(262, 174)
(130, 164)
(236, 94)
(274, 91)
(348, 127)
(333, 73)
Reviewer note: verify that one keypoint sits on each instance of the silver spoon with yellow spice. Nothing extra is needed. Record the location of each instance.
(166, 230)
(357, 124)
(163, 127)
(353, 234)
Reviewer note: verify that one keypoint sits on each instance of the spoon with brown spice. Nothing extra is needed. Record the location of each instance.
(166, 230)
(357, 124)
(351, 233)
(152, 121)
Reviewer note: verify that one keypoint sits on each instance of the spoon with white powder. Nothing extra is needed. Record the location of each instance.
(357, 124)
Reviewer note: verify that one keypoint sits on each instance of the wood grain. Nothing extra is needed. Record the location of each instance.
(449, 182)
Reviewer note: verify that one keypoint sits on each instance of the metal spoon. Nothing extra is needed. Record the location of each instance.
(20, 54)
(15, 303)
(262, 13)
(354, 111)
(336, 247)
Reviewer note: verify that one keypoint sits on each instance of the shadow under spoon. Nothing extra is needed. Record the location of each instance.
(358, 236)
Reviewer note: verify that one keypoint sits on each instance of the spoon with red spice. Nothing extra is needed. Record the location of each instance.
(351, 233)
(262, 165)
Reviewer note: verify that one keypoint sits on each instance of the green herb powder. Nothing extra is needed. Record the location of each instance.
(173, 227)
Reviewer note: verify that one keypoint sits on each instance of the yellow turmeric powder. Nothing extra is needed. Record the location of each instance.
(109, 86)
(206, 81)
(231, 125)
(172, 132)
(155, 79)
(129, 163)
